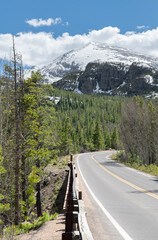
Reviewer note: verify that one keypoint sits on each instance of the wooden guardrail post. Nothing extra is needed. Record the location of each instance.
(80, 195)
(69, 222)
(70, 202)
(76, 225)
(67, 236)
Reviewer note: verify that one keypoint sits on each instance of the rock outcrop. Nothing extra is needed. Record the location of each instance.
(113, 79)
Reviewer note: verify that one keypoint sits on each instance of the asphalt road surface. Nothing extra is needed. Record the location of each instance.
(127, 197)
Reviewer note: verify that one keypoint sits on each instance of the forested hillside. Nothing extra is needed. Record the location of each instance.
(98, 122)
(87, 123)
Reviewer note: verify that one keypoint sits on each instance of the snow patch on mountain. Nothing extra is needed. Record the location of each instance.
(98, 90)
(149, 79)
(152, 95)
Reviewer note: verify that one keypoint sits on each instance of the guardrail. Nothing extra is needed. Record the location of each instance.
(76, 226)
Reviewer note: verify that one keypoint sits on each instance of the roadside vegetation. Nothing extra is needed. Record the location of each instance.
(135, 163)
(25, 227)
(139, 130)
(138, 133)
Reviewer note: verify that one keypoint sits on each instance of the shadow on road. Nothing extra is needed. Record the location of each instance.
(155, 180)
(111, 164)
(146, 191)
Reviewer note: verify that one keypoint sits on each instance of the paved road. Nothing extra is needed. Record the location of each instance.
(128, 198)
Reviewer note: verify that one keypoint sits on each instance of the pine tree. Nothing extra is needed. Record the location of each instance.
(4, 205)
(107, 138)
(65, 137)
(98, 140)
(114, 139)
(39, 121)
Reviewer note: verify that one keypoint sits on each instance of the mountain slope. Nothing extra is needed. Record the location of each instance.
(77, 60)
(99, 68)
(113, 79)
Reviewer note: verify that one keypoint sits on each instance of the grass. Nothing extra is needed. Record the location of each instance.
(61, 162)
(136, 164)
(27, 226)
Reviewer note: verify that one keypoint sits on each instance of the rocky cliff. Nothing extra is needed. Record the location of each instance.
(113, 79)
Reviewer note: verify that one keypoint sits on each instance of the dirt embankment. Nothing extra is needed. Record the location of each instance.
(53, 187)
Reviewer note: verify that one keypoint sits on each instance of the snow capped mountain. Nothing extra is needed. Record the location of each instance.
(77, 60)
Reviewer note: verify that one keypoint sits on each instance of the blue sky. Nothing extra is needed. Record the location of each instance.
(82, 16)
(59, 26)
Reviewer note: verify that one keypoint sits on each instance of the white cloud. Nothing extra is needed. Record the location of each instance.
(142, 27)
(65, 24)
(130, 33)
(41, 48)
(40, 22)
(105, 34)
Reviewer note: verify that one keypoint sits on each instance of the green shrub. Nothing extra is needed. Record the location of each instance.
(135, 162)
(27, 226)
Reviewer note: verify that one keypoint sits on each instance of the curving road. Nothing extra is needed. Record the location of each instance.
(126, 197)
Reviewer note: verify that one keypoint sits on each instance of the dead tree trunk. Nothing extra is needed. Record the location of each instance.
(23, 158)
(17, 138)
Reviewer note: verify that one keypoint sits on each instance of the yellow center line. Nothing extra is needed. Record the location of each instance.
(127, 182)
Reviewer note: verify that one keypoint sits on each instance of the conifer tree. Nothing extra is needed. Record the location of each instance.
(39, 133)
(107, 138)
(98, 137)
(65, 137)
(114, 139)
(4, 205)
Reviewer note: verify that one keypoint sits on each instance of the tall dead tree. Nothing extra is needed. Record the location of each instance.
(17, 137)
(22, 116)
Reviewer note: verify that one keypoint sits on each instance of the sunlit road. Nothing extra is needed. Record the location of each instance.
(126, 197)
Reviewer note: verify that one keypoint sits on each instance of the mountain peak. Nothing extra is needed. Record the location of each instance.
(77, 60)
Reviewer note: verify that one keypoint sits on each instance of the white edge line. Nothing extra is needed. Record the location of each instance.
(112, 220)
